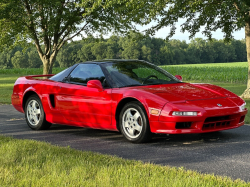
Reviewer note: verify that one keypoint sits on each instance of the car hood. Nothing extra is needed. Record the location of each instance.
(182, 91)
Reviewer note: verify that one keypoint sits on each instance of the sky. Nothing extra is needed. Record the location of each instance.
(238, 35)
(162, 33)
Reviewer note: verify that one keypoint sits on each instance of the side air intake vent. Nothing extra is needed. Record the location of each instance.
(52, 100)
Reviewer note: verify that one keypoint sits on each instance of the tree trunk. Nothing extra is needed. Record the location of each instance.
(246, 94)
(47, 66)
(48, 62)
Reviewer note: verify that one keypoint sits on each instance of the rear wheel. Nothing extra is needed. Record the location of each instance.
(134, 123)
(34, 114)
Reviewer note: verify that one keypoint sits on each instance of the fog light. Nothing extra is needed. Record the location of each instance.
(177, 113)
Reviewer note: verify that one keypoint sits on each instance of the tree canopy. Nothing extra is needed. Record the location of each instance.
(154, 50)
(227, 15)
(50, 24)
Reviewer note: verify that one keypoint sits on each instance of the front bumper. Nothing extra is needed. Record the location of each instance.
(209, 121)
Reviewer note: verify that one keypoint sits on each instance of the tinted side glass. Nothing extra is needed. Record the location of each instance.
(60, 76)
(85, 72)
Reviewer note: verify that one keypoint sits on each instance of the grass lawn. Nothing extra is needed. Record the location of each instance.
(228, 64)
(6, 87)
(32, 163)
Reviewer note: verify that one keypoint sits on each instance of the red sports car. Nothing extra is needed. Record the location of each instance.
(131, 96)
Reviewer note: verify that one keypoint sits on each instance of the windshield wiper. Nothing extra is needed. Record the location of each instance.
(130, 85)
(170, 82)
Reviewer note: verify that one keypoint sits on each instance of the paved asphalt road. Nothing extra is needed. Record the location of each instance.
(224, 153)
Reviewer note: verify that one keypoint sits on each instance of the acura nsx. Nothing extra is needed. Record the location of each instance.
(131, 96)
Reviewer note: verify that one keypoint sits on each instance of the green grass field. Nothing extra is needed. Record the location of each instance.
(231, 74)
(33, 163)
(27, 71)
(229, 64)
(6, 87)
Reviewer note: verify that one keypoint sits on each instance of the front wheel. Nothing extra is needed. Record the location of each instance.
(134, 123)
(34, 114)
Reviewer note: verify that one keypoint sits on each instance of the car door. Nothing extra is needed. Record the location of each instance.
(84, 105)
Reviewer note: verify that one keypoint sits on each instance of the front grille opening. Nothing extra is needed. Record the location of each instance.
(218, 122)
(183, 125)
(217, 118)
(242, 118)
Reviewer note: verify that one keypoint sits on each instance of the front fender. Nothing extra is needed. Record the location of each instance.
(148, 100)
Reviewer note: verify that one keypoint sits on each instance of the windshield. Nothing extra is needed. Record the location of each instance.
(137, 73)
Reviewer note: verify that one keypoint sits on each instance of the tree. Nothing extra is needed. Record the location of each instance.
(113, 47)
(146, 53)
(6, 55)
(178, 51)
(3, 59)
(50, 24)
(99, 50)
(240, 50)
(20, 60)
(85, 54)
(131, 46)
(156, 56)
(166, 55)
(68, 55)
(33, 59)
(110, 53)
(227, 15)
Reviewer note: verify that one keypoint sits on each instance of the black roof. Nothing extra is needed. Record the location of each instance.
(60, 76)
(111, 60)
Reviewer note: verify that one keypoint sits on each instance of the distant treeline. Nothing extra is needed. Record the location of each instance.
(154, 50)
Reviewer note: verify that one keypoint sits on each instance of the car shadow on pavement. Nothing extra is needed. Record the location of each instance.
(160, 139)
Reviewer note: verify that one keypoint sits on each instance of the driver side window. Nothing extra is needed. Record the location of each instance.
(85, 72)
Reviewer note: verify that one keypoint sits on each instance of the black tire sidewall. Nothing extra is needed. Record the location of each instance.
(145, 133)
(42, 120)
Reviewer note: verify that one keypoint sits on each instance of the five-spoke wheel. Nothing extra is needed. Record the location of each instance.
(34, 114)
(134, 123)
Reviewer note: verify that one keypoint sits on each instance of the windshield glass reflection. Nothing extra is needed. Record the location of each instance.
(137, 73)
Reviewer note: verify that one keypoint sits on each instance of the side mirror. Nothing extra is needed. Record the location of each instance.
(178, 77)
(95, 84)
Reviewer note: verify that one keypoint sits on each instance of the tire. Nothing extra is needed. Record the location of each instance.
(34, 114)
(134, 123)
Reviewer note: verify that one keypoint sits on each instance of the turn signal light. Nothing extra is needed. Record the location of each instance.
(154, 112)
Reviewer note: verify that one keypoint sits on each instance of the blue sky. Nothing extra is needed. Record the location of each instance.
(238, 35)
(162, 33)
